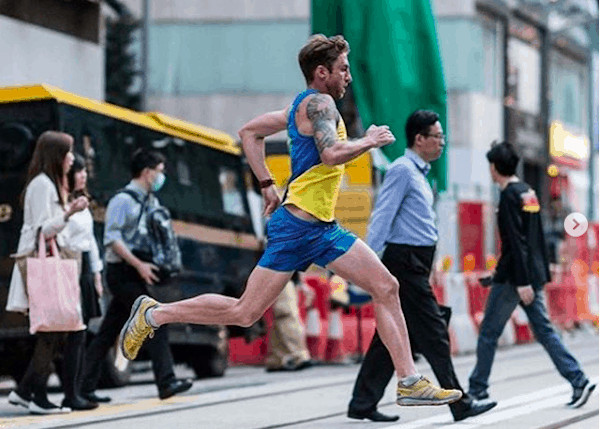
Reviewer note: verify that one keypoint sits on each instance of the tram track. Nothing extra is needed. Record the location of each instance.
(346, 381)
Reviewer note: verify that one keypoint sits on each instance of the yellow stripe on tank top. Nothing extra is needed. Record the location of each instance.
(316, 190)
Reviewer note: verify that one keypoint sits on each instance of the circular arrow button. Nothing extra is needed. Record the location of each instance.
(576, 224)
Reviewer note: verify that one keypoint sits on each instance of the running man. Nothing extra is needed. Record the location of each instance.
(303, 230)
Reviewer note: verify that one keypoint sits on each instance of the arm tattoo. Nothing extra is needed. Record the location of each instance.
(323, 114)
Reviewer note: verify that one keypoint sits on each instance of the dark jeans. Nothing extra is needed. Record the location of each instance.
(125, 286)
(47, 346)
(427, 329)
(501, 302)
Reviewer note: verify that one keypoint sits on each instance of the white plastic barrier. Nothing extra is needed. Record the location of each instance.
(593, 294)
(463, 329)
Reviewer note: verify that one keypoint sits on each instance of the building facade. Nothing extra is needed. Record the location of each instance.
(518, 70)
(56, 42)
(524, 71)
(221, 62)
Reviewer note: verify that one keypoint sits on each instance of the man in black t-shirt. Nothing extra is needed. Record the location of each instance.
(519, 279)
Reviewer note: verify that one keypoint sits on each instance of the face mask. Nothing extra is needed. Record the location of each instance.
(158, 182)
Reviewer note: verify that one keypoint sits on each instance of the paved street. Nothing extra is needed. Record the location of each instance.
(530, 392)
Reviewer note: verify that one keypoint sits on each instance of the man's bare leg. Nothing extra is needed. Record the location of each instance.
(361, 266)
(262, 288)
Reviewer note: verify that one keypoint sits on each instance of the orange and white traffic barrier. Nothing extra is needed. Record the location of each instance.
(463, 332)
(520, 332)
(335, 335)
(313, 332)
(462, 293)
(593, 295)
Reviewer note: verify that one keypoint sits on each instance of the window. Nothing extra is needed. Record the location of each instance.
(523, 80)
(460, 48)
(493, 67)
(183, 173)
(202, 184)
(568, 89)
(199, 58)
(232, 198)
(471, 53)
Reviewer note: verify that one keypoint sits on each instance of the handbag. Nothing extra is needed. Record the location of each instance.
(53, 290)
(17, 299)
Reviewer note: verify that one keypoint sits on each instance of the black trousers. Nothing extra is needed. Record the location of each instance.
(48, 345)
(427, 329)
(125, 286)
(75, 346)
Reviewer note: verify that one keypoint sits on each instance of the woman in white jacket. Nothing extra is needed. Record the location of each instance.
(44, 207)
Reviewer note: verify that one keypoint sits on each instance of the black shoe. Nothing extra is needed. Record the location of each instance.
(374, 416)
(305, 364)
(92, 397)
(21, 400)
(44, 406)
(286, 366)
(280, 369)
(477, 407)
(581, 395)
(79, 403)
(173, 388)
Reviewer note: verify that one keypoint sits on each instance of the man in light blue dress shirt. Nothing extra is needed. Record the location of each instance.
(403, 231)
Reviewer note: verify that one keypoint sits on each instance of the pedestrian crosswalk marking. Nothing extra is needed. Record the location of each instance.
(537, 400)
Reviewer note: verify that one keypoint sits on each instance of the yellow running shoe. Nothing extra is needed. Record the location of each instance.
(136, 329)
(424, 392)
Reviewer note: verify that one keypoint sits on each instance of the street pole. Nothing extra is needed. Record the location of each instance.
(592, 115)
(546, 44)
(144, 59)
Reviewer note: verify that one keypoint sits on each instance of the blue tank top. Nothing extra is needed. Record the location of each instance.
(313, 187)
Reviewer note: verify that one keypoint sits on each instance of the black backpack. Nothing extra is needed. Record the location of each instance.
(154, 240)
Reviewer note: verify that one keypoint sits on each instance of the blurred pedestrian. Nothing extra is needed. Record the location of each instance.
(303, 230)
(519, 279)
(79, 235)
(287, 344)
(45, 208)
(403, 229)
(127, 277)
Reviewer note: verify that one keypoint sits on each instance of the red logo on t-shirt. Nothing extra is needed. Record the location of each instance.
(529, 202)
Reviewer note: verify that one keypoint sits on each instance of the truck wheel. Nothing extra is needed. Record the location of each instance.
(208, 362)
(116, 370)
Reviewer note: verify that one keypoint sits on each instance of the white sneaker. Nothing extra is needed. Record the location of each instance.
(15, 399)
(48, 408)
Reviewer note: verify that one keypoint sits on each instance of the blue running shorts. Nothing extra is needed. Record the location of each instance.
(293, 244)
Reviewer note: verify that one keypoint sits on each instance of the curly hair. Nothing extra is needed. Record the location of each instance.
(321, 50)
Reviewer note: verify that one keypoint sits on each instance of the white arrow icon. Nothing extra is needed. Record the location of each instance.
(576, 224)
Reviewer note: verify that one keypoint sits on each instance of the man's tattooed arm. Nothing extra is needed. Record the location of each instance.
(323, 114)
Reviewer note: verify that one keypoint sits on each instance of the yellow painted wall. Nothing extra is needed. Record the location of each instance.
(354, 205)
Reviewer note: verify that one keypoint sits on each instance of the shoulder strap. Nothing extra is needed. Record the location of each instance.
(131, 193)
(292, 128)
(136, 197)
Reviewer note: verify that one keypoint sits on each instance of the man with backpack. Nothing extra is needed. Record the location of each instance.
(131, 248)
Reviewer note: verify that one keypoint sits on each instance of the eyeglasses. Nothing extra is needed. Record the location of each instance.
(437, 136)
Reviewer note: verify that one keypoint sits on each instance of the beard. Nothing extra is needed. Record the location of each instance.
(336, 92)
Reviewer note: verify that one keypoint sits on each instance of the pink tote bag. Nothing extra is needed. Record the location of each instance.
(54, 292)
